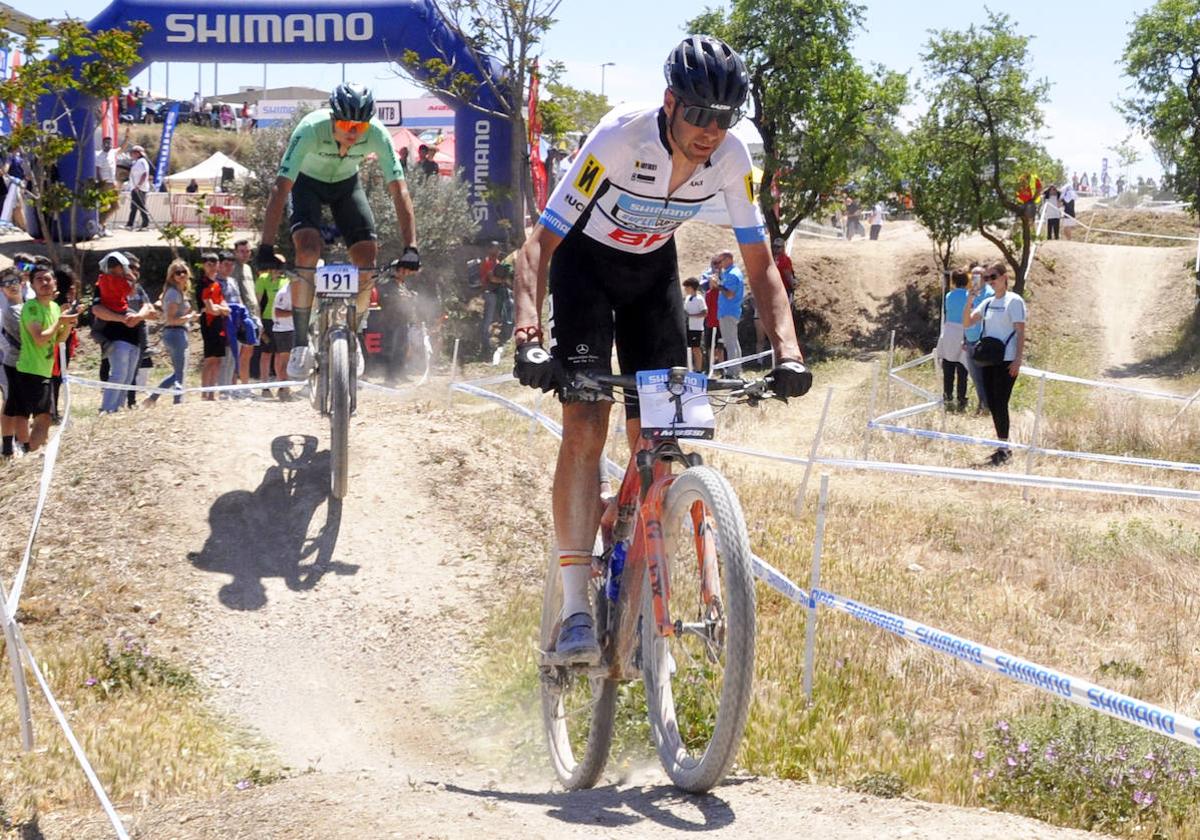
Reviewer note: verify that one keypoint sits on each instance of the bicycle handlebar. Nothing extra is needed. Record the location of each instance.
(603, 383)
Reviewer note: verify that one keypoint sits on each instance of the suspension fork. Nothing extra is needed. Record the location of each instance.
(650, 537)
(706, 552)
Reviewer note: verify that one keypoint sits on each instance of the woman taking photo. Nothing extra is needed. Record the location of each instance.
(1000, 350)
(177, 315)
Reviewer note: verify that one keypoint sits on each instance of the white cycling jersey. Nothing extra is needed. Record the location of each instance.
(618, 186)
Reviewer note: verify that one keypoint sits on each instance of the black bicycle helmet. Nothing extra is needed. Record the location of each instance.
(350, 101)
(704, 70)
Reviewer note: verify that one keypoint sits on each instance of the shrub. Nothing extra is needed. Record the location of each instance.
(1074, 767)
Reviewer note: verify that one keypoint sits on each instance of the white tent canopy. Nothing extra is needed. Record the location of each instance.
(210, 170)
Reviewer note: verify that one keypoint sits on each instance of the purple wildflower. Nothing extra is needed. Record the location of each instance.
(244, 784)
(979, 755)
(1002, 725)
(1143, 798)
(90, 681)
(1012, 761)
(1051, 754)
(1023, 747)
(1148, 773)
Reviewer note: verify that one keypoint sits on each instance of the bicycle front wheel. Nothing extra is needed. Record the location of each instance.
(699, 680)
(339, 414)
(578, 708)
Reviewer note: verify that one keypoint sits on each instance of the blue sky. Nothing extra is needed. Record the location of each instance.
(1077, 46)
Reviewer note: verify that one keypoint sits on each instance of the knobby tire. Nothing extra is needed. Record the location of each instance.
(700, 758)
(339, 415)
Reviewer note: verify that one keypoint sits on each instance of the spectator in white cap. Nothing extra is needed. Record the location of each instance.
(139, 185)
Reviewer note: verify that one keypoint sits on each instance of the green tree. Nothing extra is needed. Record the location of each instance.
(1162, 57)
(810, 99)
(509, 30)
(942, 201)
(64, 61)
(983, 121)
(566, 109)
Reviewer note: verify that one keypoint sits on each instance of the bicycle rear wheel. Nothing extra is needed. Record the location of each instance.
(339, 414)
(699, 681)
(578, 708)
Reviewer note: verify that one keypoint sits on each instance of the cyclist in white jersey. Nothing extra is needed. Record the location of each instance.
(604, 250)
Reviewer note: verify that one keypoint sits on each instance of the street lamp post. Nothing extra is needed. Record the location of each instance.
(603, 67)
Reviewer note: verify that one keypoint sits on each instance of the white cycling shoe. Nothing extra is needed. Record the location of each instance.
(300, 362)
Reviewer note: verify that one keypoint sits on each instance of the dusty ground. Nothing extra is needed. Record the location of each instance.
(341, 633)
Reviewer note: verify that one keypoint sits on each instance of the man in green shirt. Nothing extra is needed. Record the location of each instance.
(266, 286)
(320, 167)
(43, 326)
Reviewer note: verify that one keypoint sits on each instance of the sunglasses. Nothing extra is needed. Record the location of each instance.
(700, 116)
(179, 271)
(351, 126)
(8, 284)
(25, 266)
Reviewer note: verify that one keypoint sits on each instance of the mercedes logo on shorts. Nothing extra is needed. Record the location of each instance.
(581, 349)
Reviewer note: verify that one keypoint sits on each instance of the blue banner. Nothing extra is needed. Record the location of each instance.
(164, 145)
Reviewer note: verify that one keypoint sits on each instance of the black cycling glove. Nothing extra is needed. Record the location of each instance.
(535, 367)
(790, 379)
(410, 259)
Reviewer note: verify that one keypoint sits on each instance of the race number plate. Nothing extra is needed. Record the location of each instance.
(687, 414)
(336, 280)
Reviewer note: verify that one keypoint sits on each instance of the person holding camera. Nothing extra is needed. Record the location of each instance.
(1000, 349)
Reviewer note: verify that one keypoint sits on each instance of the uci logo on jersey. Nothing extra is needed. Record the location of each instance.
(750, 187)
(590, 176)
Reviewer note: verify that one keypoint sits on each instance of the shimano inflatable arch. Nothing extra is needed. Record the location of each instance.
(249, 32)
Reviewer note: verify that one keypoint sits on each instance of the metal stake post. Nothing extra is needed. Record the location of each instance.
(1037, 426)
(812, 452)
(871, 410)
(712, 352)
(453, 373)
(810, 628)
(887, 385)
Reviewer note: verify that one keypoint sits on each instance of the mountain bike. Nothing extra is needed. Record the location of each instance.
(674, 604)
(333, 384)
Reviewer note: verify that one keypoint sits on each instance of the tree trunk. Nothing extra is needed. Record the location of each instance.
(519, 162)
(1022, 268)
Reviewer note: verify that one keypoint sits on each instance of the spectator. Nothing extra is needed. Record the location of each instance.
(1053, 211)
(876, 220)
(712, 324)
(971, 335)
(427, 163)
(729, 307)
(1068, 210)
(120, 328)
(43, 326)
(266, 285)
(197, 103)
(177, 316)
(950, 345)
(696, 309)
(139, 185)
(14, 179)
(67, 298)
(11, 302)
(192, 186)
(489, 284)
(1003, 319)
(227, 117)
(283, 335)
(139, 301)
(403, 155)
(214, 115)
(212, 324)
(784, 263)
(243, 275)
(854, 225)
(106, 175)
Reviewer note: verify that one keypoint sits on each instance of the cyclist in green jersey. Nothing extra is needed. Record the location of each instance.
(320, 167)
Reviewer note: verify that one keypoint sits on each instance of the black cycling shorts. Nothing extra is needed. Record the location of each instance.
(346, 201)
(598, 294)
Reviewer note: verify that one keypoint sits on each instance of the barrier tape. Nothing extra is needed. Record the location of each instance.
(742, 359)
(901, 413)
(174, 392)
(1155, 463)
(916, 389)
(1058, 684)
(928, 357)
(76, 748)
(1086, 226)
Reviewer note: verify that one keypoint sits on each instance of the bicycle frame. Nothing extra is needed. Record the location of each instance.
(335, 318)
(635, 514)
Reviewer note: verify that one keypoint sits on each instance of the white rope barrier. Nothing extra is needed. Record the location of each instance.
(916, 389)
(917, 362)
(1092, 229)
(901, 413)
(743, 359)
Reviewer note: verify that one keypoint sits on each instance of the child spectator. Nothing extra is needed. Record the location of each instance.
(43, 326)
(212, 325)
(696, 309)
(12, 300)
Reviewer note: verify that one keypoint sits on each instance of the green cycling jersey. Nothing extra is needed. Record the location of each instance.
(313, 151)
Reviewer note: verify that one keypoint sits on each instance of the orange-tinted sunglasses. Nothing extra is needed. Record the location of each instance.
(351, 126)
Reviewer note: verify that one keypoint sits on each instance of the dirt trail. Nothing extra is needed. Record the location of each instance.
(1126, 293)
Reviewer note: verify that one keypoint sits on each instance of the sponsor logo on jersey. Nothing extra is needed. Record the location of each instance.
(269, 29)
(645, 179)
(590, 176)
(649, 167)
(644, 214)
(749, 181)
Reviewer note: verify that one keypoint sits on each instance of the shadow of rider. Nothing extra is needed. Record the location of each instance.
(264, 534)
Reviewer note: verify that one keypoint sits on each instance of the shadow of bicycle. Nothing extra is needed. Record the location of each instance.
(615, 807)
(265, 533)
